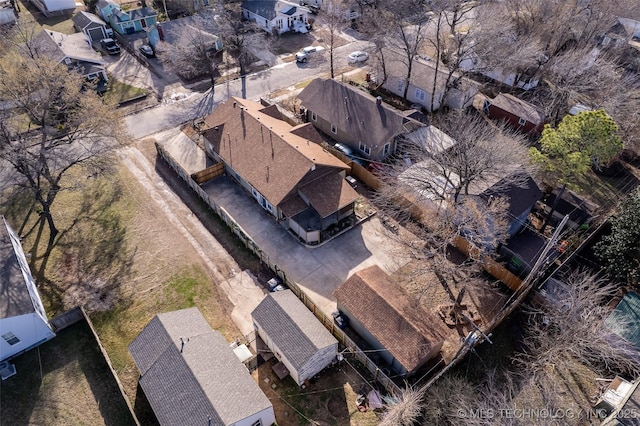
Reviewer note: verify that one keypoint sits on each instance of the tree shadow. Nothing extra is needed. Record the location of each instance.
(90, 251)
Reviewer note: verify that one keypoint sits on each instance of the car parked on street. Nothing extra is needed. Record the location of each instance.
(303, 55)
(110, 46)
(147, 51)
(357, 56)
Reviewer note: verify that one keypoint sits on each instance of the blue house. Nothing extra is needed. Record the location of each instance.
(126, 22)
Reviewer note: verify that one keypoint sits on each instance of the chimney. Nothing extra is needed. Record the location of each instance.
(379, 100)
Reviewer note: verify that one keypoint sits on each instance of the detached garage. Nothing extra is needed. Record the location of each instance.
(88, 23)
(294, 335)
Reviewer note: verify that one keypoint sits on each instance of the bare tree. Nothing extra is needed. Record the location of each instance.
(194, 53)
(479, 152)
(336, 14)
(407, 23)
(571, 326)
(241, 38)
(56, 123)
(373, 23)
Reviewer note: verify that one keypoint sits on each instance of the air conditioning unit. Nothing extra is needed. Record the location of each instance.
(7, 370)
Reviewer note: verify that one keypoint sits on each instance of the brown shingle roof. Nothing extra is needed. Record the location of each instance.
(518, 107)
(406, 330)
(328, 195)
(265, 153)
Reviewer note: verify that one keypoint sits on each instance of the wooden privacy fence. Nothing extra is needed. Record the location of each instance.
(209, 173)
(349, 344)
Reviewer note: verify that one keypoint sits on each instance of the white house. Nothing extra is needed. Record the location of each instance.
(55, 7)
(294, 335)
(277, 15)
(191, 376)
(75, 51)
(23, 321)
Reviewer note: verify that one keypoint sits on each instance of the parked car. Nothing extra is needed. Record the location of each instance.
(348, 152)
(340, 319)
(147, 51)
(110, 46)
(274, 284)
(357, 56)
(303, 55)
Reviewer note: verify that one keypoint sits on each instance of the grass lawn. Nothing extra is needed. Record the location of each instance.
(30, 14)
(121, 259)
(119, 92)
(65, 381)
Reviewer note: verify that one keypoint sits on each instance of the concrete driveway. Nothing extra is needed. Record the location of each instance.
(317, 270)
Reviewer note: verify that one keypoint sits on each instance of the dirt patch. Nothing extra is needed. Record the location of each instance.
(329, 400)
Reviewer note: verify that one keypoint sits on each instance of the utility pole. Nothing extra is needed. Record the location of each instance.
(478, 336)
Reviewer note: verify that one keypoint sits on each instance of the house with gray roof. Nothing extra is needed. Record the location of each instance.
(294, 335)
(91, 25)
(74, 50)
(276, 15)
(126, 21)
(453, 91)
(355, 118)
(23, 320)
(191, 376)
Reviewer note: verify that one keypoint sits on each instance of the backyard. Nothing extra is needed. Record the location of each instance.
(65, 381)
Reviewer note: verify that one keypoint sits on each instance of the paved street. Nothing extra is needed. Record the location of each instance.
(180, 104)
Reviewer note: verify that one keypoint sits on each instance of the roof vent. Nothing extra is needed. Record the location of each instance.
(234, 104)
(313, 167)
(379, 100)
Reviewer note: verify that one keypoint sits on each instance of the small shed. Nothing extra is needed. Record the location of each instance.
(382, 313)
(294, 335)
(191, 376)
(90, 24)
(519, 114)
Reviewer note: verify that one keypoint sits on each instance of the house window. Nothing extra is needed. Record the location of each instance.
(314, 117)
(400, 86)
(420, 94)
(364, 148)
(386, 150)
(334, 129)
(257, 423)
(522, 121)
(10, 338)
(205, 3)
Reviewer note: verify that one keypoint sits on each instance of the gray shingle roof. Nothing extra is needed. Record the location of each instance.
(84, 19)
(14, 294)
(204, 381)
(292, 327)
(355, 112)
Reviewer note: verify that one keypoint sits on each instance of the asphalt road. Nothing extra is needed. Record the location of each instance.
(184, 105)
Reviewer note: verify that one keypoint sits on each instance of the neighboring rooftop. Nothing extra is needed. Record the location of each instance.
(262, 148)
(625, 319)
(355, 112)
(518, 107)
(14, 293)
(82, 19)
(397, 321)
(188, 371)
(292, 327)
(61, 46)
